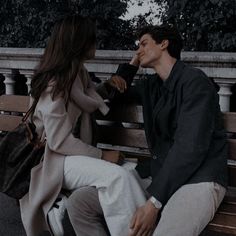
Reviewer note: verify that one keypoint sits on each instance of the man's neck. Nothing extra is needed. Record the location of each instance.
(164, 66)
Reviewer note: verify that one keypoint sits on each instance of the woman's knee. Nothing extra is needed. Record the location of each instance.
(118, 172)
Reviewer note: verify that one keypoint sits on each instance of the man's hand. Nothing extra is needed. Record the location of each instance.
(135, 60)
(143, 222)
(117, 82)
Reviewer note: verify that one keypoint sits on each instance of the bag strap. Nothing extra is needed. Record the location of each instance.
(30, 111)
(25, 118)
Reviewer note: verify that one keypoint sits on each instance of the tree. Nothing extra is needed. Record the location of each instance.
(27, 23)
(113, 32)
(207, 25)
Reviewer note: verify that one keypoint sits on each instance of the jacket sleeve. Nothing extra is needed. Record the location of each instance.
(58, 129)
(127, 72)
(195, 126)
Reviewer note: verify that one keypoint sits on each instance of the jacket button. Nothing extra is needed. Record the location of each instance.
(154, 157)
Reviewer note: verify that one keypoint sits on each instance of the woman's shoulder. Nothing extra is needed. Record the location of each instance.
(49, 104)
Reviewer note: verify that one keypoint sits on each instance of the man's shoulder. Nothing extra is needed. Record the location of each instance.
(193, 72)
(192, 76)
(195, 76)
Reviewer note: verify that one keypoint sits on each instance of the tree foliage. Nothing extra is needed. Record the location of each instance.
(113, 32)
(27, 23)
(207, 25)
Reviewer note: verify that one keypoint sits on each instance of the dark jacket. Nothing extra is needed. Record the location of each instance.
(184, 130)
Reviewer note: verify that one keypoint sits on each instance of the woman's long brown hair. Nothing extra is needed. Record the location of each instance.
(71, 41)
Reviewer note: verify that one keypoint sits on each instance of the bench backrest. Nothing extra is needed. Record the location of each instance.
(122, 129)
(12, 108)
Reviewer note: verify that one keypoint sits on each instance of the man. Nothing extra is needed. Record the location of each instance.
(187, 142)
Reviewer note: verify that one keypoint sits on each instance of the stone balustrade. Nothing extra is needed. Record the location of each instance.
(219, 66)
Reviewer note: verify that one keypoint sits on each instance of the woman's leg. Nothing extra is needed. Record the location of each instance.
(118, 190)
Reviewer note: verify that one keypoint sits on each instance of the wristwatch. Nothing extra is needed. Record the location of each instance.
(155, 202)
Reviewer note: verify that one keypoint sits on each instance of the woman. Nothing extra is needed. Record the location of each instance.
(65, 93)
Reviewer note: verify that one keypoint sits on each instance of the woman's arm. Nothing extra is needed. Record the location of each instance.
(58, 129)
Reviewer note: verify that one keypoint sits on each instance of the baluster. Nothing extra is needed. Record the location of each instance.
(9, 83)
(28, 82)
(224, 96)
(28, 75)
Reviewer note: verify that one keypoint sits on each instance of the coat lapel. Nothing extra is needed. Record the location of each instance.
(168, 87)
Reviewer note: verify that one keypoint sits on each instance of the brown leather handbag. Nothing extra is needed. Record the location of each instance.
(20, 150)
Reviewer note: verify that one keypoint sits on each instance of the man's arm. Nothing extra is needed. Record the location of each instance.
(120, 81)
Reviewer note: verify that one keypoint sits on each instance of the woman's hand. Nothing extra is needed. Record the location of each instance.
(117, 82)
(113, 156)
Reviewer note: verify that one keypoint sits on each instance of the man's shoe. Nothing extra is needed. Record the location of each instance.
(56, 215)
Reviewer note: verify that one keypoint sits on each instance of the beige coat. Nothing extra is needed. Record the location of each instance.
(58, 122)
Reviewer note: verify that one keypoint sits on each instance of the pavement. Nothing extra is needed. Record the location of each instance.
(10, 220)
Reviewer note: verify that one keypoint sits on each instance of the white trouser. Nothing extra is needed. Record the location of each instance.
(119, 192)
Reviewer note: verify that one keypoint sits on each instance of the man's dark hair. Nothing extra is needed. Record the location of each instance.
(165, 32)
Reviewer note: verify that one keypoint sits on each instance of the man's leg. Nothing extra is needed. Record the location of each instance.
(190, 209)
(85, 213)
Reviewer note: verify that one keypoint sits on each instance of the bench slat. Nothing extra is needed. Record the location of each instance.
(223, 223)
(122, 137)
(14, 103)
(230, 121)
(228, 209)
(232, 149)
(230, 196)
(133, 113)
(130, 113)
(9, 122)
(232, 175)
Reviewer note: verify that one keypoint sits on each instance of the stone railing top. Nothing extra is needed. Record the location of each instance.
(124, 54)
(218, 65)
(214, 64)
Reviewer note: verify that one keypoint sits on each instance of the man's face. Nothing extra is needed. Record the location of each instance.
(149, 51)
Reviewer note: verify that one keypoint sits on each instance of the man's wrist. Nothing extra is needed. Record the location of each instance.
(155, 202)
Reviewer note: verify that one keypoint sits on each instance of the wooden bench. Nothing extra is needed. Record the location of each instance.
(122, 129)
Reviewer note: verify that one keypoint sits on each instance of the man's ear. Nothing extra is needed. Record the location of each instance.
(164, 44)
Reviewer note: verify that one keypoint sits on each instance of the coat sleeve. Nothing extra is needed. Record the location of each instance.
(195, 126)
(58, 129)
(88, 94)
